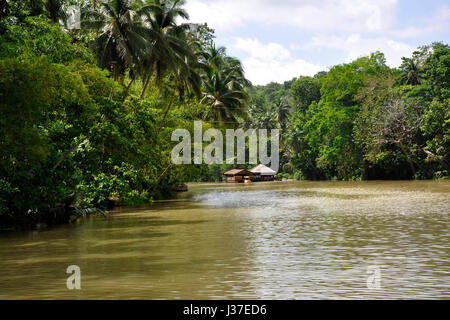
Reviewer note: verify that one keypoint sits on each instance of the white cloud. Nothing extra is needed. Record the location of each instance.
(354, 28)
(344, 15)
(271, 62)
(356, 46)
(271, 51)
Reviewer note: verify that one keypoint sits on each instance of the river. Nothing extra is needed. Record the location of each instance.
(280, 240)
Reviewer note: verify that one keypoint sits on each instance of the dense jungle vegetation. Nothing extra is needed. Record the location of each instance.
(87, 113)
(363, 120)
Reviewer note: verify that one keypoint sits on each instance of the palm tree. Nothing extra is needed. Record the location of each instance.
(283, 108)
(187, 77)
(264, 116)
(122, 36)
(168, 52)
(216, 58)
(223, 86)
(226, 101)
(212, 56)
(410, 72)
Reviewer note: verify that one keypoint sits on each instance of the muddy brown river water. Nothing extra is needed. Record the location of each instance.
(281, 240)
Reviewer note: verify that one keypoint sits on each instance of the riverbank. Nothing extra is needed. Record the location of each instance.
(62, 215)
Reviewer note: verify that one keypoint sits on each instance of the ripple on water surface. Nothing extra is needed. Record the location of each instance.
(287, 240)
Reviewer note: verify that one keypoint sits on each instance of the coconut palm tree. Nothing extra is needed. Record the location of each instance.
(187, 77)
(225, 100)
(168, 52)
(216, 58)
(122, 38)
(265, 116)
(410, 72)
(223, 86)
(212, 56)
(284, 109)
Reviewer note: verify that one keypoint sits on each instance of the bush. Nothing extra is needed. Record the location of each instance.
(298, 175)
(124, 183)
(441, 175)
(37, 37)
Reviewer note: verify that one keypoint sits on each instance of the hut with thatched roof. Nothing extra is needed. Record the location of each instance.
(238, 176)
(263, 173)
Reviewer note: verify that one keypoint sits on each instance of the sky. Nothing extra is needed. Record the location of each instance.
(277, 40)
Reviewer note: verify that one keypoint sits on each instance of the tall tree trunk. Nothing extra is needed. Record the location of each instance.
(115, 76)
(163, 121)
(147, 81)
(128, 88)
(130, 84)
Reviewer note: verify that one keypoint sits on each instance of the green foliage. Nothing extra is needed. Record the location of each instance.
(304, 91)
(223, 87)
(436, 70)
(330, 130)
(298, 175)
(35, 37)
(374, 122)
(72, 135)
(436, 129)
(7, 194)
(123, 182)
(145, 40)
(201, 37)
(41, 117)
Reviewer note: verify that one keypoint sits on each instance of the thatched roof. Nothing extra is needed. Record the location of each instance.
(236, 172)
(263, 170)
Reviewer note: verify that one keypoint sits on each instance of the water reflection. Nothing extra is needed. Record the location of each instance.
(261, 241)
